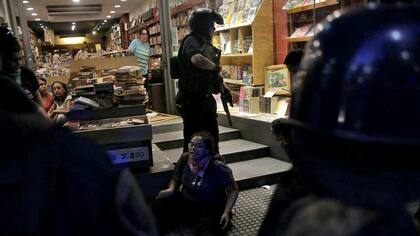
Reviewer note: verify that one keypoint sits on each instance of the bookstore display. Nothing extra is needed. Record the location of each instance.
(116, 37)
(303, 16)
(94, 89)
(246, 42)
(124, 132)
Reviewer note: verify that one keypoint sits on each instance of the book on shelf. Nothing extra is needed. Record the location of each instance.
(241, 73)
(224, 42)
(293, 4)
(255, 3)
(302, 31)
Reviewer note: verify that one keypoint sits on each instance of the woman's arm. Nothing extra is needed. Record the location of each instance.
(51, 111)
(68, 105)
(169, 191)
(232, 191)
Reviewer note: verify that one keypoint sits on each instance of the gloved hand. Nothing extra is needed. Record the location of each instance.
(227, 96)
(217, 70)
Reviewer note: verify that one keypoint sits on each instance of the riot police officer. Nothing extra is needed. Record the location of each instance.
(198, 81)
(355, 116)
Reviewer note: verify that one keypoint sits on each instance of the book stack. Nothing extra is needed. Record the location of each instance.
(129, 86)
(249, 98)
(104, 94)
(82, 103)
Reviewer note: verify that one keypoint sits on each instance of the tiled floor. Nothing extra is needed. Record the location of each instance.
(248, 214)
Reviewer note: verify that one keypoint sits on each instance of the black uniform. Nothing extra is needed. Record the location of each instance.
(196, 86)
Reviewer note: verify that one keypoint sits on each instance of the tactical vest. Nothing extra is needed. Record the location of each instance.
(196, 82)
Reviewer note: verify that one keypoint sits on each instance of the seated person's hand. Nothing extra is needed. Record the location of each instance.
(73, 125)
(165, 193)
(56, 112)
(224, 220)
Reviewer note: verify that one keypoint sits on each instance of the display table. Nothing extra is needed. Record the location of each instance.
(124, 132)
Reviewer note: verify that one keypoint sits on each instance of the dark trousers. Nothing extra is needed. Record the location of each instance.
(176, 210)
(196, 120)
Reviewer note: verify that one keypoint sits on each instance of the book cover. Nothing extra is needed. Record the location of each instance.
(251, 14)
(255, 3)
(302, 31)
(292, 4)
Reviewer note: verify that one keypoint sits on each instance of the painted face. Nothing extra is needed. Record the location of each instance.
(144, 36)
(59, 90)
(42, 86)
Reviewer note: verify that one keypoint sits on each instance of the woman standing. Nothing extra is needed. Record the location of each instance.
(61, 104)
(141, 49)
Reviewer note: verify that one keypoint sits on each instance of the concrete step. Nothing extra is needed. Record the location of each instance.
(258, 172)
(175, 139)
(168, 126)
(232, 150)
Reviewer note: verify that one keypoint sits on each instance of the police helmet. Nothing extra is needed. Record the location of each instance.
(355, 112)
(202, 20)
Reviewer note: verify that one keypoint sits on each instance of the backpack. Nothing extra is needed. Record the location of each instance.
(176, 61)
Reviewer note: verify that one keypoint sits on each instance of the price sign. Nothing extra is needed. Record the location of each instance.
(127, 155)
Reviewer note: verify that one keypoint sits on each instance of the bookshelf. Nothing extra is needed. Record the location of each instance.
(247, 39)
(299, 39)
(311, 6)
(303, 16)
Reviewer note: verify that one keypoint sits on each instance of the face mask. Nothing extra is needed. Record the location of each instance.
(197, 166)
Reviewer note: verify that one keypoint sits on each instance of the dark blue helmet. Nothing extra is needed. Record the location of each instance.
(360, 78)
(201, 21)
(355, 115)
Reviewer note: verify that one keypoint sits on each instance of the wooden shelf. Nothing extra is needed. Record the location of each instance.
(154, 21)
(226, 28)
(134, 29)
(237, 55)
(154, 34)
(185, 6)
(234, 81)
(312, 6)
(299, 39)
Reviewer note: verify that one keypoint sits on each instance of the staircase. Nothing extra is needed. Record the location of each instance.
(250, 162)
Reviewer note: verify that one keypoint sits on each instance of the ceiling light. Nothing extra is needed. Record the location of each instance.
(94, 32)
(123, 0)
(112, 12)
(25, 2)
(34, 14)
(105, 20)
(73, 27)
(30, 8)
(76, 0)
(73, 23)
(117, 6)
(108, 16)
(37, 19)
